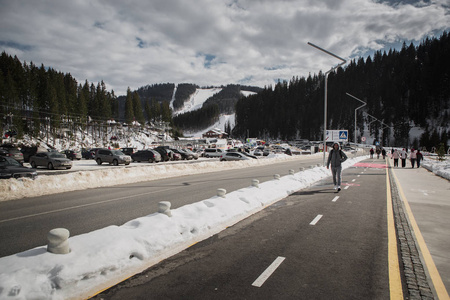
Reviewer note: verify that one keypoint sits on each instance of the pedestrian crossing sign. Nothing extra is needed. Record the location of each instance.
(337, 135)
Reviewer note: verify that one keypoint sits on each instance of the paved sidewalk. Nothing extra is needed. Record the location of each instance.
(426, 201)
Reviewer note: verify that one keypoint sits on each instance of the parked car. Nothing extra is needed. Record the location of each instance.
(261, 151)
(11, 168)
(184, 155)
(73, 154)
(194, 154)
(28, 152)
(12, 152)
(114, 157)
(50, 160)
(213, 152)
(89, 153)
(249, 155)
(231, 156)
(127, 151)
(146, 155)
(163, 152)
(173, 155)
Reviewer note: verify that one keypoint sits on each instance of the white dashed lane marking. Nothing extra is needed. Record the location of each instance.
(266, 274)
(316, 219)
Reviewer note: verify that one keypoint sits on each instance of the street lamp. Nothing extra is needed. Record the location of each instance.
(325, 99)
(356, 110)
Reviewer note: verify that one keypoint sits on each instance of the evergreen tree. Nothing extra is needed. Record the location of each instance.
(137, 108)
(129, 112)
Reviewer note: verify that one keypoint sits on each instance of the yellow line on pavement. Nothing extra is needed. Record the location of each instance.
(395, 282)
(439, 286)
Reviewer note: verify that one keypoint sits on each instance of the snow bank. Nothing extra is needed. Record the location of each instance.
(107, 256)
(440, 168)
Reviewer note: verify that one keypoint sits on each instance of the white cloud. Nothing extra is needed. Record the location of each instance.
(208, 42)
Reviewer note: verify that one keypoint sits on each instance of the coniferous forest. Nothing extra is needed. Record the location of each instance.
(405, 88)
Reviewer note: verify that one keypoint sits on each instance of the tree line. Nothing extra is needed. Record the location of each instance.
(405, 88)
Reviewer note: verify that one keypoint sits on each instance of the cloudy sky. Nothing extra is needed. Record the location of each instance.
(132, 43)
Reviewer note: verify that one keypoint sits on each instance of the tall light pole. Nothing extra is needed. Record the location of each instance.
(325, 99)
(356, 111)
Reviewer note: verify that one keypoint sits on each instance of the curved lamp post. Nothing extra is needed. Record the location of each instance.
(325, 100)
(356, 110)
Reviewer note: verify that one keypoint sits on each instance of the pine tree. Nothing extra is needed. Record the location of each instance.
(137, 108)
(129, 112)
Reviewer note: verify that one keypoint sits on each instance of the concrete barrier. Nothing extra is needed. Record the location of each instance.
(58, 241)
(221, 192)
(255, 183)
(164, 208)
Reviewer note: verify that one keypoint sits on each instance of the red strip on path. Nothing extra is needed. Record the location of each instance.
(370, 165)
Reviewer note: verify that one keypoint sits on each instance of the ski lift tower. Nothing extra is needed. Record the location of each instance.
(163, 126)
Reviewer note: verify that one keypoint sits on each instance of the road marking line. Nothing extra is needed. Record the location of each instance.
(266, 274)
(395, 282)
(358, 176)
(335, 199)
(353, 180)
(86, 205)
(316, 219)
(436, 279)
(346, 188)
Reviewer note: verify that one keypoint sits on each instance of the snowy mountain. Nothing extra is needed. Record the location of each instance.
(196, 101)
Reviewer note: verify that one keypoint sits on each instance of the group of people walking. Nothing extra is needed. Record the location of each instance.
(415, 157)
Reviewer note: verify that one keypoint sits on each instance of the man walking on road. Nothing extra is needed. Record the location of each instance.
(336, 157)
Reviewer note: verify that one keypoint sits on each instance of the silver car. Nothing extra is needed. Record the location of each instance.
(51, 160)
(229, 156)
(114, 157)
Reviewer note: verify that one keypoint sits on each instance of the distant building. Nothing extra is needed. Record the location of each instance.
(215, 133)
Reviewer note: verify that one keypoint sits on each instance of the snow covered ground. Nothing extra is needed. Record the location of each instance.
(104, 257)
(440, 168)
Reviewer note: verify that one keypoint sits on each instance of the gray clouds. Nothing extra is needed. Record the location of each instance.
(208, 42)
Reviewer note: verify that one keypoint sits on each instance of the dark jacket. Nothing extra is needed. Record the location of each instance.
(336, 157)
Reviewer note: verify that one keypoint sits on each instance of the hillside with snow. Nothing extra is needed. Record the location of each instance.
(196, 101)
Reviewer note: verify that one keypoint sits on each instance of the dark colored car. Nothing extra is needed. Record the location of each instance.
(163, 152)
(146, 155)
(127, 151)
(184, 155)
(28, 152)
(50, 160)
(10, 168)
(73, 154)
(14, 153)
(89, 153)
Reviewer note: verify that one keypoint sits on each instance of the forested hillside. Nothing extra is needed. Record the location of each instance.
(405, 88)
(183, 93)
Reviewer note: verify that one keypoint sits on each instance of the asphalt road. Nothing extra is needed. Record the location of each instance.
(316, 245)
(24, 223)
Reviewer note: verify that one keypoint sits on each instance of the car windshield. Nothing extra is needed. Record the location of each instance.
(56, 155)
(7, 161)
(117, 152)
